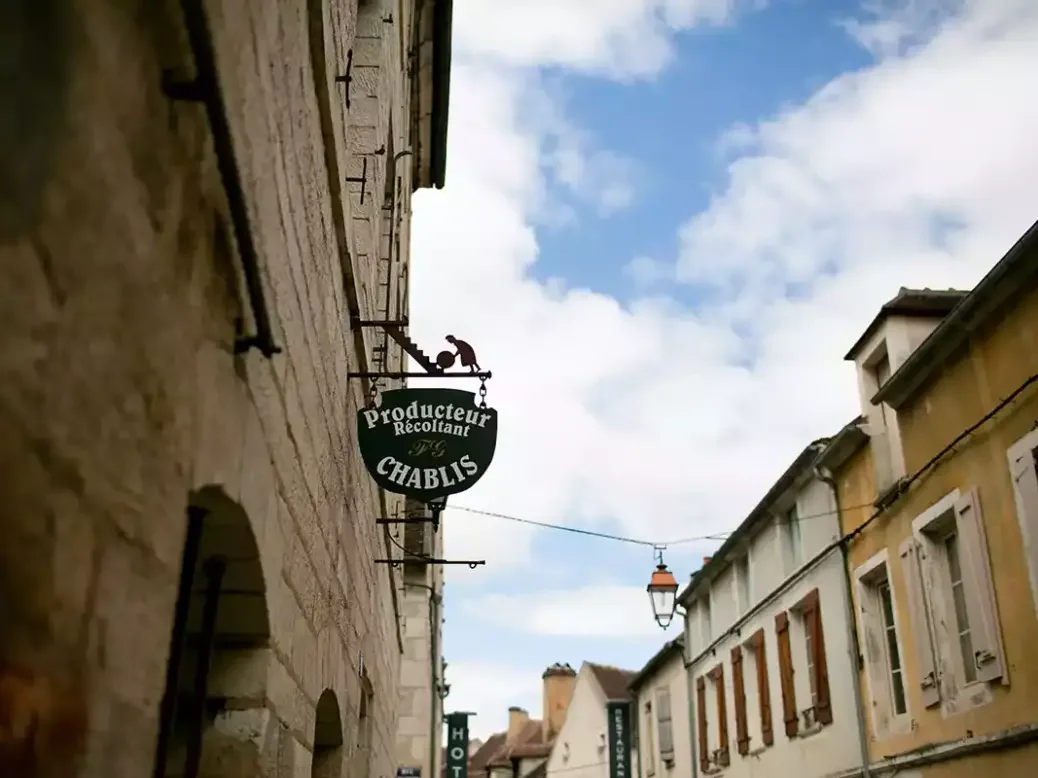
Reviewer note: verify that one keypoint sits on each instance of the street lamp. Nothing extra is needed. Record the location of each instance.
(663, 593)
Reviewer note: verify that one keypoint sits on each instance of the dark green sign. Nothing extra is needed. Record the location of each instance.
(457, 745)
(427, 443)
(618, 715)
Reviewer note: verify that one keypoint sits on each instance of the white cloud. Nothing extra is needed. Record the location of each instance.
(658, 421)
(489, 688)
(590, 611)
(621, 38)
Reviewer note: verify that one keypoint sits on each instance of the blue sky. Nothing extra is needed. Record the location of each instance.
(782, 168)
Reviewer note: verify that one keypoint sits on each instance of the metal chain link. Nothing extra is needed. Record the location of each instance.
(373, 393)
(482, 392)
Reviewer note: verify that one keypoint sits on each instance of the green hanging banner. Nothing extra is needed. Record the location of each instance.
(618, 716)
(457, 745)
(427, 443)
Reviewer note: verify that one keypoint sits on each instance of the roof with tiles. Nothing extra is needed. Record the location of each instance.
(613, 680)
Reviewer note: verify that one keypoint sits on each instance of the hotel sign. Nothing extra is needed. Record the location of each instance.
(427, 443)
(457, 745)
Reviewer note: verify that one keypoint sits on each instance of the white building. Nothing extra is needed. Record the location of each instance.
(771, 655)
(660, 707)
(581, 747)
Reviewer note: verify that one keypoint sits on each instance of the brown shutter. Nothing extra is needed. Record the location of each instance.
(763, 687)
(785, 657)
(813, 622)
(742, 735)
(704, 749)
(722, 715)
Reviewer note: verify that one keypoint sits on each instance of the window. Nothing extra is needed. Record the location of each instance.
(742, 732)
(742, 575)
(720, 756)
(650, 741)
(880, 641)
(808, 613)
(666, 732)
(1023, 466)
(962, 620)
(881, 369)
(954, 612)
(794, 544)
(707, 619)
(897, 679)
(756, 657)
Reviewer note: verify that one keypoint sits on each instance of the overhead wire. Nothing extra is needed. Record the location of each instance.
(901, 488)
(623, 538)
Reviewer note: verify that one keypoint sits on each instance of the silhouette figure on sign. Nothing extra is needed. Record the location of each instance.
(465, 353)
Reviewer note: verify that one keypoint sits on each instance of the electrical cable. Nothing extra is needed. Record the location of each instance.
(624, 539)
(901, 488)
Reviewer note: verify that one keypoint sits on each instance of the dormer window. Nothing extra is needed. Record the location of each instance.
(881, 369)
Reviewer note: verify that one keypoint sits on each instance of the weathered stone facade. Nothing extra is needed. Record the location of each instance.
(420, 726)
(128, 274)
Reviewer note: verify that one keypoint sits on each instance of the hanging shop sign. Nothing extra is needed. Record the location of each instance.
(427, 443)
(457, 745)
(618, 714)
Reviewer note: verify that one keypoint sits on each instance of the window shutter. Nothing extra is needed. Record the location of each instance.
(742, 735)
(813, 623)
(763, 688)
(1025, 477)
(722, 715)
(980, 593)
(928, 681)
(665, 732)
(704, 749)
(872, 640)
(785, 657)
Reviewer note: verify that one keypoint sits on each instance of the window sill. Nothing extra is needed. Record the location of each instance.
(899, 725)
(811, 731)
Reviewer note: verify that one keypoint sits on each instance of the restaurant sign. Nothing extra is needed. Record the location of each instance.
(427, 443)
(618, 714)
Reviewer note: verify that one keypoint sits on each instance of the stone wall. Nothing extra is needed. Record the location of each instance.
(123, 402)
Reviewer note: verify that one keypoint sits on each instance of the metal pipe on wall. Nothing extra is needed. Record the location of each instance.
(823, 475)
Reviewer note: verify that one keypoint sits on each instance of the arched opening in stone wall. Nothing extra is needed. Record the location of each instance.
(328, 741)
(213, 715)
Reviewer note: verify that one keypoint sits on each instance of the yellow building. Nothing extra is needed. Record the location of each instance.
(939, 495)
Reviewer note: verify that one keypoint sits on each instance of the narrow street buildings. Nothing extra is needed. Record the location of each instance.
(580, 748)
(659, 703)
(208, 196)
(522, 751)
(767, 630)
(940, 500)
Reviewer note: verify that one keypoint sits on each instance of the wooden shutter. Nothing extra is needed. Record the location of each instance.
(717, 674)
(742, 735)
(704, 748)
(980, 591)
(1024, 469)
(665, 732)
(763, 688)
(785, 657)
(812, 610)
(930, 688)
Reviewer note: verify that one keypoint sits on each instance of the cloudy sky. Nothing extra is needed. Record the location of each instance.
(664, 223)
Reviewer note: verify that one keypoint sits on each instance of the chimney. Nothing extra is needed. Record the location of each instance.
(706, 560)
(559, 680)
(517, 719)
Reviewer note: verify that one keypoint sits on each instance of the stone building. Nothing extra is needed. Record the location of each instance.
(423, 687)
(202, 199)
